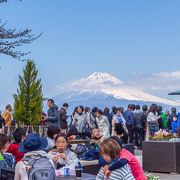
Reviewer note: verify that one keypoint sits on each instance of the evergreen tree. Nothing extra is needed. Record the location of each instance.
(28, 100)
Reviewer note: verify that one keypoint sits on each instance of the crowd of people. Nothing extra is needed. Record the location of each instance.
(38, 157)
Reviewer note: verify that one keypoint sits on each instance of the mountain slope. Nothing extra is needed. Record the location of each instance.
(103, 85)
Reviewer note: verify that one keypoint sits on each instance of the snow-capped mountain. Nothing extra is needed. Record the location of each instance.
(101, 86)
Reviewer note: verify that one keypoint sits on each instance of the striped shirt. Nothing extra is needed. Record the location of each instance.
(123, 173)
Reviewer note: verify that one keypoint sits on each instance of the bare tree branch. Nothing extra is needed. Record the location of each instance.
(10, 39)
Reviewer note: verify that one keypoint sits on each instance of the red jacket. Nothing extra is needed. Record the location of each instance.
(136, 169)
(13, 149)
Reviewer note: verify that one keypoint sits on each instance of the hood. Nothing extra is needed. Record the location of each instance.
(55, 107)
(12, 147)
(34, 153)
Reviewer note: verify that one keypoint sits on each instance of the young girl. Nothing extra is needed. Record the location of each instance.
(110, 152)
(62, 155)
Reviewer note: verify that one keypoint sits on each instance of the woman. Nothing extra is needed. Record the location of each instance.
(62, 155)
(152, 121)
(7, 116)
(79, 119)
(110, 152)
(103, 124)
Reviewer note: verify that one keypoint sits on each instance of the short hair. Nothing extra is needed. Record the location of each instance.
(3, 140)
(144, 108)
(18, 134)
(138, 107)
(8, 106)
(110, 147)
(65, 105)
(87, 109)
(51, 100)
(52, 130)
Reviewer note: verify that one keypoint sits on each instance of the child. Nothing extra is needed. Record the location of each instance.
(62, 155)
(174, 126)
(6, 159)
(110, 152)
(18, 135)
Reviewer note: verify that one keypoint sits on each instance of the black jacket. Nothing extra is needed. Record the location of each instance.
(63, 117)
(53, 116)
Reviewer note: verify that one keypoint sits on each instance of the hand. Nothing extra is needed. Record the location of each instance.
(106, 168)
(107, 173)
(55, 159)
(102, 139)
(62, 155)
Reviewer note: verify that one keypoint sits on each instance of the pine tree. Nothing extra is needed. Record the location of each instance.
(28, 100)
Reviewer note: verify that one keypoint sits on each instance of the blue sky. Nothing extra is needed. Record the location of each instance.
(123, 38)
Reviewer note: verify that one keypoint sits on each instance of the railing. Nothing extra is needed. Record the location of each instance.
(41, 130)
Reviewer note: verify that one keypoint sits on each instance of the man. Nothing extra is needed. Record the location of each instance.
(53, 114)
(63, 118)
(139, 121)
(129, 117)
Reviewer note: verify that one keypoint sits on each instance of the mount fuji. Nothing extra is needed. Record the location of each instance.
(104, 90)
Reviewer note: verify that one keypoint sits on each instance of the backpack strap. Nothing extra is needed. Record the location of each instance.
(30, 160)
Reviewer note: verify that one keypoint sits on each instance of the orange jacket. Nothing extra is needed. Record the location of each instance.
(7, 117)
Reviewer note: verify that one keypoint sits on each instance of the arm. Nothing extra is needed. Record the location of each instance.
(118, 164)
(20, 171)
(100, 175)
(63, 115)
(102, 162)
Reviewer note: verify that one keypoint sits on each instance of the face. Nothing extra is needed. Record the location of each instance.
(97, 114)
(107, 158)
(4, 149)
(95, 133)
(118, 113)
(79, 110)
(174, 118)
(61, 144)
(50, 104)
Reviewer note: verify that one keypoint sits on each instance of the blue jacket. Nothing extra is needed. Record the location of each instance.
(174, 126)
(129, 117)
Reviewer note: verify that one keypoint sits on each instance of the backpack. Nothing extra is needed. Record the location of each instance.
(40, 168)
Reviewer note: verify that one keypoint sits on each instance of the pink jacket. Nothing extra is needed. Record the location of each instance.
(136, 169)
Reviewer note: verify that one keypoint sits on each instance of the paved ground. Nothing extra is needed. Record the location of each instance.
(162, 176)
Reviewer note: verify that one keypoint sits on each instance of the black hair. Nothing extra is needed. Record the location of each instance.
(18, 134)
(65, 105)
(51, 100)
(61, 135)
(94, 109)
(52, 130)
(100, 111)
(106, 110)
(144, 108)
(81, 108)
(138, 107)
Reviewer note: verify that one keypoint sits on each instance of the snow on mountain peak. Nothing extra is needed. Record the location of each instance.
(104, 77)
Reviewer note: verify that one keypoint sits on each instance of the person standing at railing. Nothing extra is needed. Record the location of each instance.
(7, 116)
(53, 117)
